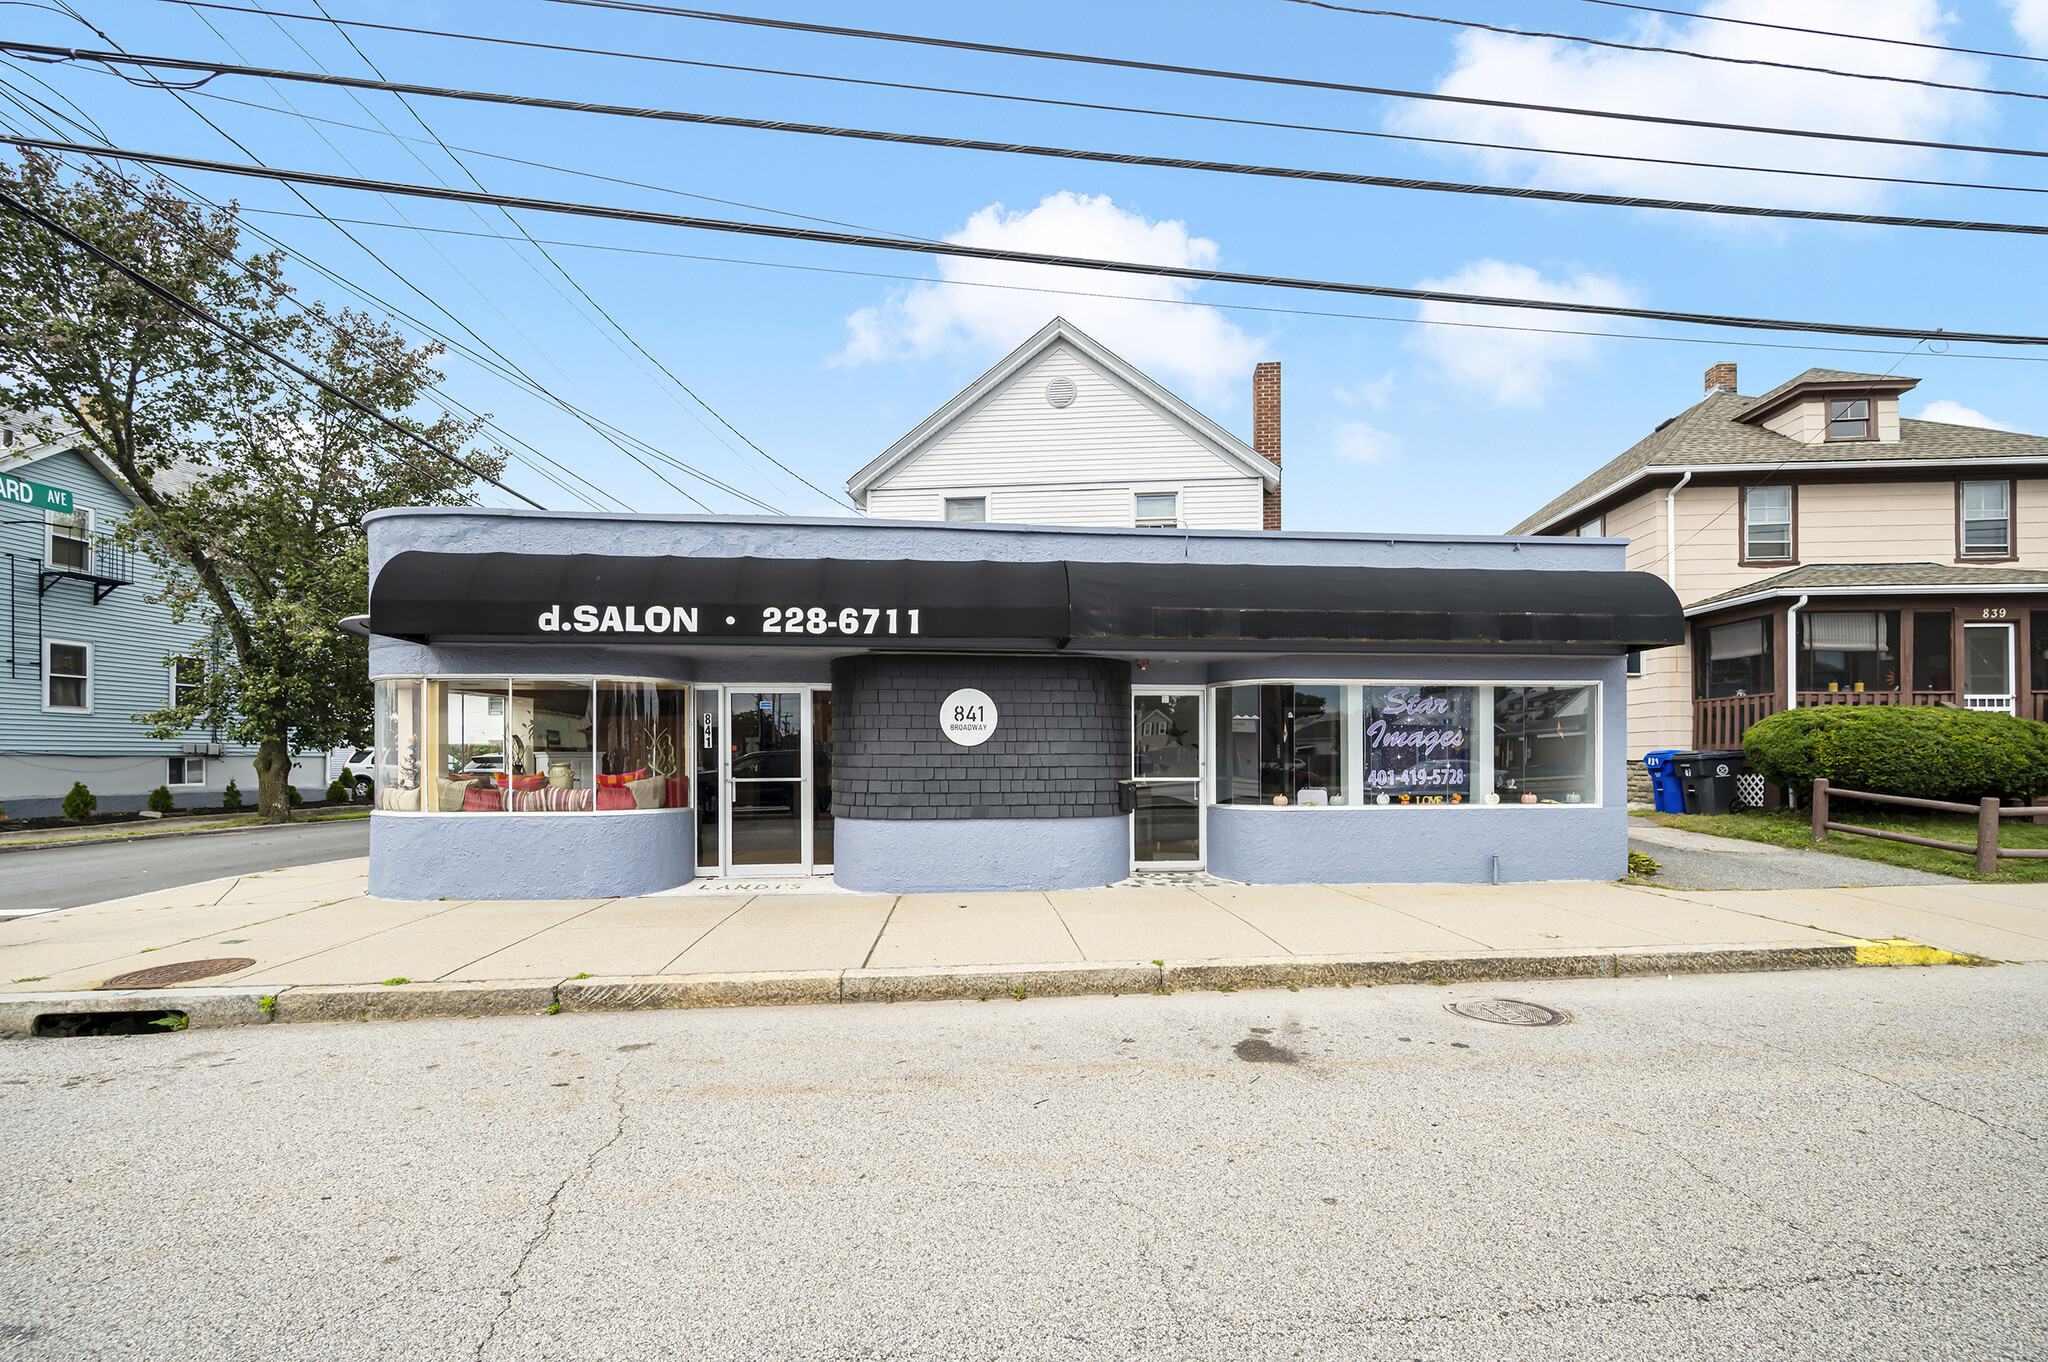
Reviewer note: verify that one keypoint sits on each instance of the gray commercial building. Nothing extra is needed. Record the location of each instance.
(575, 705)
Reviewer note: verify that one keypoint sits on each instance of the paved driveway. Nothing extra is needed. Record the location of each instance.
(1694, 860)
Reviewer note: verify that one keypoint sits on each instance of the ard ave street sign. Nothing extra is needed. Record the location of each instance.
(35, 495)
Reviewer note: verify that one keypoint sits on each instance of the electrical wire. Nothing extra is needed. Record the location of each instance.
(1815, 32)
(232, 332)
(1046, 102)
(1296, 82)
(1174, 302)
(781, 232)
(1665, 51)
(402, 89)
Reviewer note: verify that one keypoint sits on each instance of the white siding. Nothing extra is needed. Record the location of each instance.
(1073, 465)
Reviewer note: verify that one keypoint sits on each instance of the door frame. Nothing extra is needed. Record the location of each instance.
(1200, 782)
(807, 866)
(2012, 677)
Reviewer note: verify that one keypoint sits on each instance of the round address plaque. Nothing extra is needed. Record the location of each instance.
(967, 717)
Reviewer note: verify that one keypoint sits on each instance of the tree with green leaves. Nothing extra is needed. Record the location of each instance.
(251, 484)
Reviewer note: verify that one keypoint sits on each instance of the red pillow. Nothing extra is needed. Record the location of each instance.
(522, 782)
(482, 800)
(613, 797)
(640, 774)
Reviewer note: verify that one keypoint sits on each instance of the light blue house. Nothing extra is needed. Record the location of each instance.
(86, 643)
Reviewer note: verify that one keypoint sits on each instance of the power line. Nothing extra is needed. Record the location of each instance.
(232, 332)
(1297, 82)
(1094, 107)
(401, 89)
(781, 232)
(1665, 51)
(1815, 32)
(1175, 302)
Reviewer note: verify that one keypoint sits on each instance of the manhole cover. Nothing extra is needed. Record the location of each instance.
(183, 972)
(1508, 1012)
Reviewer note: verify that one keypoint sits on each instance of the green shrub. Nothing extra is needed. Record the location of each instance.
(80, 803)
(1920, 752)
(292, 794)
(231, 797)
(337, 792)
(160, 800)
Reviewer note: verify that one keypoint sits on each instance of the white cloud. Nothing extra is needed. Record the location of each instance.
(1358, 442)
(1956, 414)
(1373, 394)
(1515, 366)
(2030, 21)
(1542, 71)
(1196, 345)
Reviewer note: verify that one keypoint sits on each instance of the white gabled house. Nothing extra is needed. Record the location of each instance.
(1065, 432)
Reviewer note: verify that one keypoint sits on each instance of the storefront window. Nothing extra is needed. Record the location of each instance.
(642, 741)
(1418, 744)
(1849, 650)
(468, 751)
(1544, 741)
(398, 746)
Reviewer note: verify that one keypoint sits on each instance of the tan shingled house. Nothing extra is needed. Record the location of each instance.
(1908, 559)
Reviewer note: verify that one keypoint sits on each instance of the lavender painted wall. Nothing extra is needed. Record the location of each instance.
(530, 855)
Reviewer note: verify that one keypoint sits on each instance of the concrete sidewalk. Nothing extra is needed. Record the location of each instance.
(318, 946)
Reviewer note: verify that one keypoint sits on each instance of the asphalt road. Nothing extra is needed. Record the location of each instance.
(1816, 1166)
(65, 877)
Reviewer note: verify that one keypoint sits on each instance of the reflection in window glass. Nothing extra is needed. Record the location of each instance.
(469, 750)
(1316, 748)
(1281, 745)
(1543, 744)
(398, 746)
(1734, 659)
(1166, 743)
(1166, 823)
(710, 807)
(1932, 650)
(642, 736)
(1418, 744)
(821, 779)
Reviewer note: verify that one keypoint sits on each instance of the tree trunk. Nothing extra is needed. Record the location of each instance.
(273, 775)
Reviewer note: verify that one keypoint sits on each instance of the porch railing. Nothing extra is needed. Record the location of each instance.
(1718, 724)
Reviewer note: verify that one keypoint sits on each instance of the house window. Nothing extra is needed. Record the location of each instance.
(1767, 524)
(1735, 659)
(1635, 662)
(71, 540)
(1849, 650)
(1849, 420)
(967, 508)
(187, 675)
(1987, 520)
(67, 675)
(187, 771)
(1596, 528)
(1158, 510)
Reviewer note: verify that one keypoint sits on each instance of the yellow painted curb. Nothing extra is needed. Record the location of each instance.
(1898, 950)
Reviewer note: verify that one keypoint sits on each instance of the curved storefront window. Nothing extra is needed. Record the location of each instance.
(1311, 745)
(531, 745)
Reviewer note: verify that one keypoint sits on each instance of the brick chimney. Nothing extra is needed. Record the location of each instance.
(1266, 428)
(1721, 377)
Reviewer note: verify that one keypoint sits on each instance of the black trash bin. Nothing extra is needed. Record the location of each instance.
(1709, 780)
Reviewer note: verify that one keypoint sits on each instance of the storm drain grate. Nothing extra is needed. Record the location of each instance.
(183, 972)
(1509, 1012)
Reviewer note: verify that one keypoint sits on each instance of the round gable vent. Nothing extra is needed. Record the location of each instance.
(1060, 392)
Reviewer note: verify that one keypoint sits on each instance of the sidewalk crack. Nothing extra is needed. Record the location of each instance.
(876, 944)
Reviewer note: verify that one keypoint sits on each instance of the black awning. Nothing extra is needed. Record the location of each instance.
(1267, 604)
(905, 603)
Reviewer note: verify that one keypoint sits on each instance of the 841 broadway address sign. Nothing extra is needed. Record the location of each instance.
(967, 717)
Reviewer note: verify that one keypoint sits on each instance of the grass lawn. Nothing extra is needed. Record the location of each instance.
(1786, 828)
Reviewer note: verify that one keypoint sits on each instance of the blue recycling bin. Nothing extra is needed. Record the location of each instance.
(1668, 791)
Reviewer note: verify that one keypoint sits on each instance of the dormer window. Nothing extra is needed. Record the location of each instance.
(1849, 420)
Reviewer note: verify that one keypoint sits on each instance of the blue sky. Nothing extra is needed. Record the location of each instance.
(822, 358)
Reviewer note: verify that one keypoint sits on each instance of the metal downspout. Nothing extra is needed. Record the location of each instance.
(1671, 531)
(1792, 653)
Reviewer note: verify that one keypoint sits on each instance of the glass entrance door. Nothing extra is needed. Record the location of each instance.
(1166, 768)
(764, 781)
(1987, 666)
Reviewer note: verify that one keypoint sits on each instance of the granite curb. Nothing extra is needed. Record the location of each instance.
(984, 983)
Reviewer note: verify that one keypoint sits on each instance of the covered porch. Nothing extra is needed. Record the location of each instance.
(1869, 634)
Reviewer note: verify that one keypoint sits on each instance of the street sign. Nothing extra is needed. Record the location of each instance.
(36, 495)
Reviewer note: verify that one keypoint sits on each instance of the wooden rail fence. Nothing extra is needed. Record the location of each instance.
(1988, 811)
